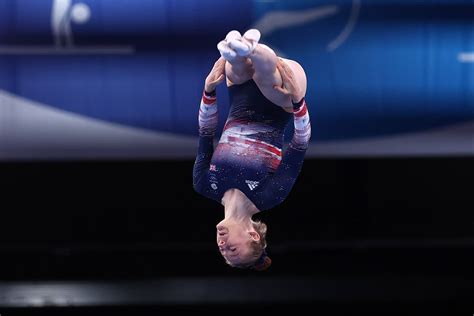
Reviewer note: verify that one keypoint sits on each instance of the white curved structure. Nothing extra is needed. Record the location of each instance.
(31, 130)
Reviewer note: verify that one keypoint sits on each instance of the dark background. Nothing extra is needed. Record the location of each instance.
(366, 218)
(63, 210)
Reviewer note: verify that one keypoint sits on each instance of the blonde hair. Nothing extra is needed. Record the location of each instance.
(257, 246)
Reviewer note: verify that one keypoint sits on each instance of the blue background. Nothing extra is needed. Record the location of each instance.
(397, 72)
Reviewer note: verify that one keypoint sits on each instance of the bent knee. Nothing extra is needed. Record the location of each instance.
(299, 73)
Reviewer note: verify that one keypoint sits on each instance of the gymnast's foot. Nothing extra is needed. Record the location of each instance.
(245, 45)
(226, 51)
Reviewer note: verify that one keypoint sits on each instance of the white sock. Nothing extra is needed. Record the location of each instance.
(226, 52)
(233, 35)
(223, 46)
(246, 46)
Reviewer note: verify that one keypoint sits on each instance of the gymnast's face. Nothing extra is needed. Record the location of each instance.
(234, 241)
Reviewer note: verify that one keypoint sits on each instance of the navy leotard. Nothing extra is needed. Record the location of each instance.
(249, 154)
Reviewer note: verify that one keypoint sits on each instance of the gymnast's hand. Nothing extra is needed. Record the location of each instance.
(290, 86)
(216, 76)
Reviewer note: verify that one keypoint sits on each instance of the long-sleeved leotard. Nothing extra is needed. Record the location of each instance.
(249, 154)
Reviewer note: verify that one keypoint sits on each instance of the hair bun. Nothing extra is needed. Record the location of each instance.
(263, 264)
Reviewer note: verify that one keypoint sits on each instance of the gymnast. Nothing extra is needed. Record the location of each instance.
(248, 172)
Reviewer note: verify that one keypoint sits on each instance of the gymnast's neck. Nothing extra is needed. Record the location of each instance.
(237, 205)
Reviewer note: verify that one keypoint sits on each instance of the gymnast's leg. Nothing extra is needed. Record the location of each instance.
(238, 69)
(263, 62)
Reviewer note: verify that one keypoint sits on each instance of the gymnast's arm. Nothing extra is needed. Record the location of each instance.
(280, 184)
(208, 120)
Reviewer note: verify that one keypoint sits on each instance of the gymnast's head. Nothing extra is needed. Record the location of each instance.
(243, 243)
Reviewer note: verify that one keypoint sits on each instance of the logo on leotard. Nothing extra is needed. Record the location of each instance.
(214, 186)
(212, 168)
(252, 184)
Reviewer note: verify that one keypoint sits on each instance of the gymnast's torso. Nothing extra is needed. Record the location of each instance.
(249, 156)
(250, 147)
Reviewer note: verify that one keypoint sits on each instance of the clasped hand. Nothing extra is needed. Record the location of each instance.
(216, 76)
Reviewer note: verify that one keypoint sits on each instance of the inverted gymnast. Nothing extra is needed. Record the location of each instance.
(247, 172)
